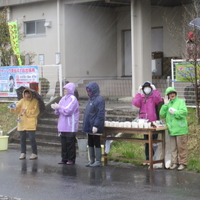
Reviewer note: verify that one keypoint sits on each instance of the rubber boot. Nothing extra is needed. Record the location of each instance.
(97, 163)
(92, 156)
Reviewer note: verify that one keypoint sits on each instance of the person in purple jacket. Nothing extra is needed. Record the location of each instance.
(147, 98)
(68, 111)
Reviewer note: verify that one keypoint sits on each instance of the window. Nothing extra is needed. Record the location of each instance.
(34, 27)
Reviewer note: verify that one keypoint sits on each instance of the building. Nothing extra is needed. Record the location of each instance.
(96, 39)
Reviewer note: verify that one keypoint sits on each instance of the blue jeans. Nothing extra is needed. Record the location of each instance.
(32, 141)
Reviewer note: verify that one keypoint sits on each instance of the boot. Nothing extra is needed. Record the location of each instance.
(92, 156)
(97, 163)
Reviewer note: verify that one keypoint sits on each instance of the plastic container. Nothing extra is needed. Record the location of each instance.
(3, 143)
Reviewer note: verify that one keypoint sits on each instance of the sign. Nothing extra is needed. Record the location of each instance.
(185, 72)
(12, 78)
(14, 39)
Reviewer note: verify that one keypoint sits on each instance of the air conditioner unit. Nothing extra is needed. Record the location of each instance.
(47, 24)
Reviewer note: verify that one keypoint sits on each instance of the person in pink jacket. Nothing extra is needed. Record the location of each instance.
(147, 98)
(68, 111)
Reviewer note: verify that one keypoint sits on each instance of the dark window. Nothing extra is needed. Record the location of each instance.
(35, 27)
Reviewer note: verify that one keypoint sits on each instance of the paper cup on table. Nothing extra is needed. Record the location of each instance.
(112, 123)
(117, 124)
(106, 123)
(128, 124)
(140, 125)
(146, 125)
(134, 125)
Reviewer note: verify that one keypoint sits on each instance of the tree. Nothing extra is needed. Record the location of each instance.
(6, 51)
(189, 12)
(193, 58)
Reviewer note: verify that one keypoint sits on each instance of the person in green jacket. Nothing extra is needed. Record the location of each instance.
(175, 112)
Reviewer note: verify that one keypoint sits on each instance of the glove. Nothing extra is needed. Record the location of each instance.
(56, 106)
(94, 129)
(53, 106)
(172, 110)
(166, 100)
(140, 89)
(153, 87)
(12, 106)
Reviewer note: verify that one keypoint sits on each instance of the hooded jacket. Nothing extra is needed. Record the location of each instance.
(176, 123)
(192, 47)
(68, 111)
(147, 104)
(94, 114)
(27, 120)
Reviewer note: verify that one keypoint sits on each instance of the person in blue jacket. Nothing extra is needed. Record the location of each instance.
(93, 123)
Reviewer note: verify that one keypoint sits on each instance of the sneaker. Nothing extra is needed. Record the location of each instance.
(89, 164)
(22, 156)
(174, 166)
(145, 164)
(181, 167)
(70, 162)
(96, 164)
(33, 156)
(62, 162)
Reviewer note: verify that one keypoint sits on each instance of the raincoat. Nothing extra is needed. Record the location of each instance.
(147, 105)
(28, 120)
(95, 110)
(192, 47)
(177, 123)
(68, 111)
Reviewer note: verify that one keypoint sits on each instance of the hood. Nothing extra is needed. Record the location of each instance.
(146, 84)
(190, 35)
(28, 91)
(94, 88)
(170, 90)
(70, 87)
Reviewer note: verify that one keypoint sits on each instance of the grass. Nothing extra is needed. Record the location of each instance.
(7, 119)
(136, 151)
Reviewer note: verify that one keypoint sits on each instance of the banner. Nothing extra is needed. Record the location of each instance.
(14, 39)
(185, 72)
(13, 77)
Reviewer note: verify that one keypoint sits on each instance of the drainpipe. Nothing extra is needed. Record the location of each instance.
(132, 47)
(58, 46)
(58, 26)
(8, 13)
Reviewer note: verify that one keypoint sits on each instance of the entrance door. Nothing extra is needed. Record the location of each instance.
(127, 53)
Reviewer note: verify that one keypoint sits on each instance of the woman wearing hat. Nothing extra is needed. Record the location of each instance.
(175, 112)
(147, 98)
(192, 47)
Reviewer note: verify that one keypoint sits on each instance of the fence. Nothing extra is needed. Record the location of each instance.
(184, 88)
(50, 80)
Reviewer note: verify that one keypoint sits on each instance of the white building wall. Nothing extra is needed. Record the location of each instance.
(123, 24)
(46, 44)
(170, 18)
(90, 42)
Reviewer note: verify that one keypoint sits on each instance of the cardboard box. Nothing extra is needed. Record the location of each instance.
(3, 143)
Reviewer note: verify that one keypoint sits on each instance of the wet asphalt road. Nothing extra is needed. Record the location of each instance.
(44, 179)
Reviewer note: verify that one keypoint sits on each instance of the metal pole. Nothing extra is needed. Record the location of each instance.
(60, 79)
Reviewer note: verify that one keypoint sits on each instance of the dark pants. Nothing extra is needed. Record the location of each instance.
(146, 137)
(32, 141)
(94, 141)
(68, 148)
